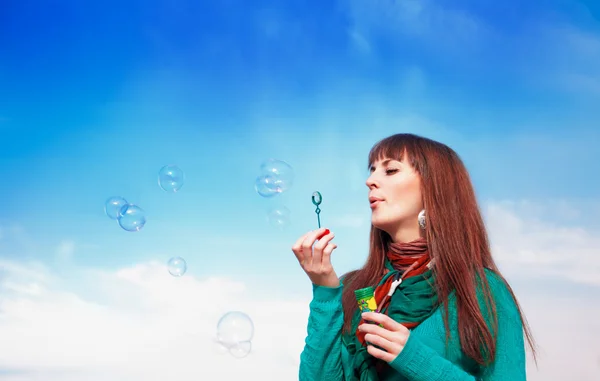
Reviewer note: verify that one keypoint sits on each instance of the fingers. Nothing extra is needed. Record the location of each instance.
(387, 322)
(373, 329)
(324, 239)
(313, 251)
(378, 353)
(319, 249)
(326, 256)
(297, 248)
(306, 248)
(386, 345)
(389, 343)
(303, 247)
(323, 234)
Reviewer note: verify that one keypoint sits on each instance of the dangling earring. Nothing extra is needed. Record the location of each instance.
(421, 219)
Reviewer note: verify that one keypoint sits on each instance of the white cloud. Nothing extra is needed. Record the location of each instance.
(565, 330)
(528, 242)
(141, 323)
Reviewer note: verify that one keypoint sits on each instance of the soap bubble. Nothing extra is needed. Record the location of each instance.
(177, 266)
(279, 217)
(235, 327)
(281, 172)
(170, 178)
(132, 218)
(219, 347)
(241, 349)
(113, 205)
(276, 176)
(265, 186)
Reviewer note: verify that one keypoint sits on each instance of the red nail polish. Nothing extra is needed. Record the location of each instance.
(324, 234)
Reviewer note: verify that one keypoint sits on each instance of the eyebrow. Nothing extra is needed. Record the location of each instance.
(384, 162)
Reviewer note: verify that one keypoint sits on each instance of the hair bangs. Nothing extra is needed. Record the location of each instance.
(400, 147)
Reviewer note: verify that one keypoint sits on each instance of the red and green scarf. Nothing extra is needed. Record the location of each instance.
(413, 301)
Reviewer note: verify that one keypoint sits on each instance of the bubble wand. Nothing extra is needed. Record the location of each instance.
(316, 200)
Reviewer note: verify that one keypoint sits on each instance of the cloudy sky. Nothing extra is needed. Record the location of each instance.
(95, 98)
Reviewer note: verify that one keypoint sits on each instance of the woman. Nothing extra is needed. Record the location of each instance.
(444, 310)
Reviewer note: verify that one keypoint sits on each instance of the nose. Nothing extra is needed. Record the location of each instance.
(371, 183)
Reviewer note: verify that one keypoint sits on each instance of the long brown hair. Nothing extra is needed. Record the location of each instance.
(457, 240)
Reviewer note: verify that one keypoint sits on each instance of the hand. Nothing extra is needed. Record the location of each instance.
(391, 337)
(316, 262)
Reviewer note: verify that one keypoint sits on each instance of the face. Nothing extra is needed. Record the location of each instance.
(395, 198)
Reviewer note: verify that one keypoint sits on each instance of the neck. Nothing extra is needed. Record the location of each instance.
(405, 235)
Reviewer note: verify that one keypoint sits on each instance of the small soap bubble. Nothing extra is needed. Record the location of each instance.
(235, 327)
(279, 217)
(276, 176)
(113, 205)
(132, 218)
(177, 266)
(170, 178)
(241, 349)
(265, 186)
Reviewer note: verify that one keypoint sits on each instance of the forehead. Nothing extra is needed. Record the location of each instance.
(384, 161)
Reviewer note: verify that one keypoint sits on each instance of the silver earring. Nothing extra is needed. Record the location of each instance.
(421, 219)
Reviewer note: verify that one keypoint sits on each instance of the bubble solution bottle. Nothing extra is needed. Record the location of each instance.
(365, 297)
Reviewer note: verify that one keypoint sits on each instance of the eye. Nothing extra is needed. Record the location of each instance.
(390, 171)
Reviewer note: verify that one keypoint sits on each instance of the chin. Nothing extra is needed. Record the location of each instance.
(381, 225)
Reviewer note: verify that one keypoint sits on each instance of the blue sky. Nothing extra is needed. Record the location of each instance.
(95, 98)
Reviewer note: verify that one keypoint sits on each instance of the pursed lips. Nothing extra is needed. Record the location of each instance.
(374, 201)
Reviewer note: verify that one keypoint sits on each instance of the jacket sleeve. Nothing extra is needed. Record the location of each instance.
(321, 358)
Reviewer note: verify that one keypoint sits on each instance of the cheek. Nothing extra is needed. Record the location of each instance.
(409, 195)
(418, 199)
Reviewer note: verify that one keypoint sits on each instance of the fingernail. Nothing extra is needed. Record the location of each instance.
(324, 233)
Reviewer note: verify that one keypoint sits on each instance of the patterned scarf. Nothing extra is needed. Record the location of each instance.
(413, 300)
